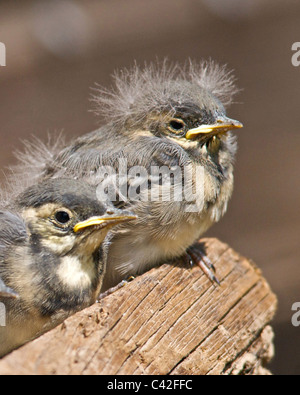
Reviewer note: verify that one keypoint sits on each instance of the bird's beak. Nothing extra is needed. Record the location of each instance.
(223, 125)
(105, 221)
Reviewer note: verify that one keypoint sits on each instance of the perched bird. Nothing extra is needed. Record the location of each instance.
(160, 119)
(52, 256)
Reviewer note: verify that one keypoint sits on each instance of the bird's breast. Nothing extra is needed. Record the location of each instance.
(75, 273)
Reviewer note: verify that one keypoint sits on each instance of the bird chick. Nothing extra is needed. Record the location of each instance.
(52, 256)
(160, 119)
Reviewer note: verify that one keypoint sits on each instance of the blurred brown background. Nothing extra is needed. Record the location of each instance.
(58, 49)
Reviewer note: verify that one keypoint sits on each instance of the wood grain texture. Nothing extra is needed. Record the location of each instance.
(171, 320)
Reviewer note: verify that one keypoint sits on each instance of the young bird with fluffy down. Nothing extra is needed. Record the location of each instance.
(163, 117)
(52, 256)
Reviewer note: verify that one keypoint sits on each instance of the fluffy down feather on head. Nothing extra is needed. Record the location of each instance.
(139, 91)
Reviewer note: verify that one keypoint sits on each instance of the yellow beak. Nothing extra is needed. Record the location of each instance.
(103, 221)
(222, 126)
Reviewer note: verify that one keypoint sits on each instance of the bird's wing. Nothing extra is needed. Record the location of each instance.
(12, 232)
(105, 148)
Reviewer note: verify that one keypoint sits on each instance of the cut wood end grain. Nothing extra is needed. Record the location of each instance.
(171, 320)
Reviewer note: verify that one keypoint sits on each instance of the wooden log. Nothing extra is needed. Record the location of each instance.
(171, 320)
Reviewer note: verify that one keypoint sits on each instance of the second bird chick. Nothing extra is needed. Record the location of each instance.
(52, 256)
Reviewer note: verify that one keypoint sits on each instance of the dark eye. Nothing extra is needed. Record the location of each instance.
(177, 125)
(62, 217)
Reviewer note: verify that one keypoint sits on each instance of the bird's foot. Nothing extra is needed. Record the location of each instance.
(194, 256)
(6, 292)
(116, 288)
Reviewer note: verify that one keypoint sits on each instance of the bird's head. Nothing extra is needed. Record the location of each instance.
(194, 125)
(62, 264)
(186, 105)
(66, 217)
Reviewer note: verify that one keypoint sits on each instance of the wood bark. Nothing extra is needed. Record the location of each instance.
(171, 320)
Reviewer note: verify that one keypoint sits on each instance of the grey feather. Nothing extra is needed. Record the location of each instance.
(12, 230)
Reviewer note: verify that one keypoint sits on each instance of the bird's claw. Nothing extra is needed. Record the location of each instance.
(116, 288)
(196, 257)
(6, 292)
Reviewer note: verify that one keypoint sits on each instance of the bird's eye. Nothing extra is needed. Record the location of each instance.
(176, 125)
(62, 217)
